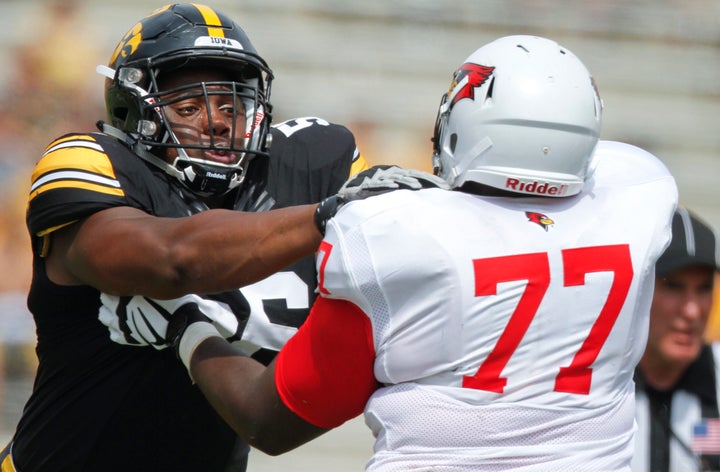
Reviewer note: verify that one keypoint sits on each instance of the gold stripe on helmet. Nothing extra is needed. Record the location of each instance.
(211, 19)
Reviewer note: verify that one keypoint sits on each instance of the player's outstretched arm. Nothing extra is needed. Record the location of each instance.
(126, 251)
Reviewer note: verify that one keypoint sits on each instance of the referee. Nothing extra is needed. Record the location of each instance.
(677, 379)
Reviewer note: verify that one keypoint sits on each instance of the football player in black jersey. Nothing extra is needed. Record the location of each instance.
(186, 189)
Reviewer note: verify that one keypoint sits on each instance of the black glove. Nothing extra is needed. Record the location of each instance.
(180, 321)
(375, 181)
(186, 330)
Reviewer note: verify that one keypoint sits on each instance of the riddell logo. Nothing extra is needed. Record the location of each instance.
(216, 175)
(535, 187)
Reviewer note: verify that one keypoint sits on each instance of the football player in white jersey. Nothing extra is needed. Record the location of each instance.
(495, 327)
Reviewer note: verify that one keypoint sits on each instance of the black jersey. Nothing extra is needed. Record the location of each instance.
(100, 406)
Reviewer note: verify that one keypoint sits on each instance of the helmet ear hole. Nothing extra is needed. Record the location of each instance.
(120, 113)
(453, 142)
(491, 90)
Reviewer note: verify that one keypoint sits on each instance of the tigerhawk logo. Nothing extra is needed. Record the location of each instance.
(538, 218)
(128, 44)
(476, 76)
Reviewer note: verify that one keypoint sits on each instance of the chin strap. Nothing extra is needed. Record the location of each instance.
(140, 150)
(186, 176)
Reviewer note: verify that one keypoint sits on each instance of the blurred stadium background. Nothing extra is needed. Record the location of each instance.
(378, 66)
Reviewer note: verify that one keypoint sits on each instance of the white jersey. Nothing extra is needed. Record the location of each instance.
(506, 330)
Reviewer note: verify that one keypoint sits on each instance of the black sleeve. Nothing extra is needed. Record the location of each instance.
(309, 160)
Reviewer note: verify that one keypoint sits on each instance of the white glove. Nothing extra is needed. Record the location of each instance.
(142, 321)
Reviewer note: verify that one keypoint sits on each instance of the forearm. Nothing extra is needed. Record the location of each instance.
(245, 248)
(126, 252)
(243, 392)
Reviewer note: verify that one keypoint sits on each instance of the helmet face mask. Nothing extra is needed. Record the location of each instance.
(523, 115)
(175, 41)
(188, 144)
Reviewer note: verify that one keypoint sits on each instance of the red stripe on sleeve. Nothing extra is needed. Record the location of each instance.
(324, 373)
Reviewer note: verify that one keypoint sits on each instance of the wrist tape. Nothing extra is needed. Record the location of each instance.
(195, 334)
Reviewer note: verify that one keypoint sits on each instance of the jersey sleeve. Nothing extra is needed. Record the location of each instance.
(359, 163)
(310, 159)
(74, 178)
(324, 373)
(81, 174)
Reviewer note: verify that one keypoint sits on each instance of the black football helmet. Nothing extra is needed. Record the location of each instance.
(182, 36)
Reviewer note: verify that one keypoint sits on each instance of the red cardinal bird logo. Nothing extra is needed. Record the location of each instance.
(476, 74)
(540, 219)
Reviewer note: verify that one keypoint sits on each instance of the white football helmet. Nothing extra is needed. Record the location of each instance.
(522, 114)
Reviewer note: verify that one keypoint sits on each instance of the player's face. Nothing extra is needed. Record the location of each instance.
(679, 313)
(193, 122)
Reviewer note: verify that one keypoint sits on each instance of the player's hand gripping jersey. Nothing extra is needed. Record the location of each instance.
(81, 174)
(500, 326)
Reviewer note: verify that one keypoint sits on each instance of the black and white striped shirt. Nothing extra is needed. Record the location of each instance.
(666, 418)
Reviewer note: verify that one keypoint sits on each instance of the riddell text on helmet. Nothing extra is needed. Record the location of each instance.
(535, 187)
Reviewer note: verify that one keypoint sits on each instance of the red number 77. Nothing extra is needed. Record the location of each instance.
(535, 268)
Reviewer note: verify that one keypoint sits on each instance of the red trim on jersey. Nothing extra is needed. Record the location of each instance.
(324, 373)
